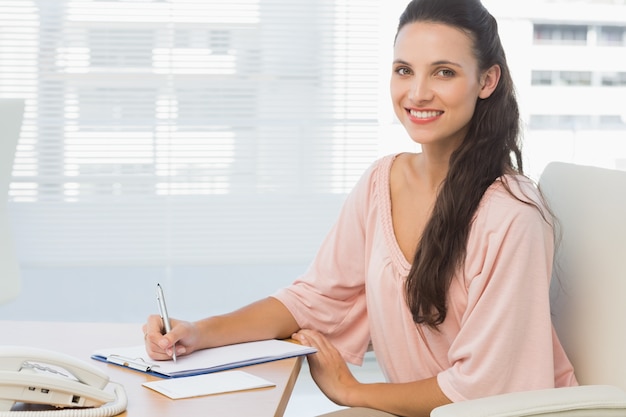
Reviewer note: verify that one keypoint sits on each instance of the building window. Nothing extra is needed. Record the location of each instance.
(612, 36)
(545, 34)
(613, 122)
(559, 122)
(567, 78)
(576, 122)
(614, 79)
(575, 78)
(542, 78)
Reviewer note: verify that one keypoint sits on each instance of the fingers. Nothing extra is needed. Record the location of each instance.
(301, 336)
(312, 338)
(326, 351)
(153, 325)
(180, 330)
(152, 334)
(160, 346)
(328, 369)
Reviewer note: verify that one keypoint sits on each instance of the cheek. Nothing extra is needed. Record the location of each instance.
(398, 108)
(397, 96)
(394, 91)
(463, 99)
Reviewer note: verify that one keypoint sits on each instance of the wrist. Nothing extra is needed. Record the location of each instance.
(357, 395)
(207, 333)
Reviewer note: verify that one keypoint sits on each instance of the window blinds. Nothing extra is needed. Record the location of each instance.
(187, 131)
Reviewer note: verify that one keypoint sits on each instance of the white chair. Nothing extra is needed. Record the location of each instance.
(11, 111)
(588, 300)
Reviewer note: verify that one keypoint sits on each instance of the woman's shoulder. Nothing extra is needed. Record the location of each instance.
(377, 173)
(371, 189)
(512, 208)
(515, 188)
(384, 163)
(513, 195)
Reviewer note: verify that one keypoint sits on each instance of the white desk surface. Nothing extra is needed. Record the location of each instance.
(81, 339)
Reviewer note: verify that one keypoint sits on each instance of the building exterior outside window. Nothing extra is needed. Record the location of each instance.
(571, 79)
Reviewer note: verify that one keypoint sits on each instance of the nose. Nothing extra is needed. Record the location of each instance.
(421, 90)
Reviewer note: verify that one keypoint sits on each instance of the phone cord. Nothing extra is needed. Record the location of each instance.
(107, 410)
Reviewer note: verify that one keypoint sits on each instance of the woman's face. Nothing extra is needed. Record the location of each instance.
(436, 82)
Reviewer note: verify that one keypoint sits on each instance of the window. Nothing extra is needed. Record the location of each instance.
(542, 78)
(576, 122)
(612, 36)
(187, 130)
(568, 78)
(560, 34)
(613, 79)
(575, 78)
(612, 122)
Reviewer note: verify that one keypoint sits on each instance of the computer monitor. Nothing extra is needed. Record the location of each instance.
(11, 112)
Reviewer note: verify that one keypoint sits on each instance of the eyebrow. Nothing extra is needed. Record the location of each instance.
(401, 62)
(436, 63)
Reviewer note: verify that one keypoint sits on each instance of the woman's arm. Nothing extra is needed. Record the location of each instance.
(416, 398)
(265, 319)
(332, 375)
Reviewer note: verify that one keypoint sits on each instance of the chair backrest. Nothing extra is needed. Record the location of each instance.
(10, 123)
(589, 283)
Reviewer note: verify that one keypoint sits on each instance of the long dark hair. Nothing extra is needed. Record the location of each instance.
(489, 150)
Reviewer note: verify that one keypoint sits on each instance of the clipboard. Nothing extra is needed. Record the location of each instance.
(203, 361)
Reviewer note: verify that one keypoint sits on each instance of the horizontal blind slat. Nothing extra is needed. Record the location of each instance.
(141, 117)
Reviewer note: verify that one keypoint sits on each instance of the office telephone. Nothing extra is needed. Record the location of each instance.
(38, 376)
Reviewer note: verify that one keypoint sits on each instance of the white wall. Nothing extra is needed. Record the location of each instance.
(129, 294)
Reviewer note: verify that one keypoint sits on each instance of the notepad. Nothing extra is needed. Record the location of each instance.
(203, 361)
(199, 385)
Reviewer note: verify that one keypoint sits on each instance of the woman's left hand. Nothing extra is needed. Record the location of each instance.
(328, 369)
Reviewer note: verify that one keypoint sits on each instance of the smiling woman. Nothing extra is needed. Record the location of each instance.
(211, 144)
(428, 259)
(434, 88)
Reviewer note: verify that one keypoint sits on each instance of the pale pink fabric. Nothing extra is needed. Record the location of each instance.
(497, 337)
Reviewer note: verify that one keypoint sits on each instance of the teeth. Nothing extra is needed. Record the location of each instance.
(425, 114)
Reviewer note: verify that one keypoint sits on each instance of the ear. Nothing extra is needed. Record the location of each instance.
(489, 81)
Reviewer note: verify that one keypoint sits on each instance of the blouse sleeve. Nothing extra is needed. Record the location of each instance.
(504, 343)
(330, 296)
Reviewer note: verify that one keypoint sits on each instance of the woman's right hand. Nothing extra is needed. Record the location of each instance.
(265, 319)
(159, 346)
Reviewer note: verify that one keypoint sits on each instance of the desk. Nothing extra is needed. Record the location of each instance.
(81, 339)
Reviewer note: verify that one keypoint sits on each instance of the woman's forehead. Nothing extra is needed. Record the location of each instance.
(433, 40)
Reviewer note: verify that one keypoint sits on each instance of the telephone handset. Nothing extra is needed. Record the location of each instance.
(38, 376)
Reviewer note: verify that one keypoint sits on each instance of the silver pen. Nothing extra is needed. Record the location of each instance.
(164, 316)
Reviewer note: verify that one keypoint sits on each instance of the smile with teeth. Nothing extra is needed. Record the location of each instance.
(425, 114)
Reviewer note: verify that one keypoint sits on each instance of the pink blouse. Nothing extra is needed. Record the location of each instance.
(497, 336)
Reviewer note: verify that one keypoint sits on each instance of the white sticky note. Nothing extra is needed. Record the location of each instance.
(207, 384)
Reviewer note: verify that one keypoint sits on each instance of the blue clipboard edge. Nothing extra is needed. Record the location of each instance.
(182, 374)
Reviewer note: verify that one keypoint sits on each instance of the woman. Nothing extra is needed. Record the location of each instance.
(440, 259)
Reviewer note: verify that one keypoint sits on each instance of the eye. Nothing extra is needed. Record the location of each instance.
(445, 73)
(403, 71)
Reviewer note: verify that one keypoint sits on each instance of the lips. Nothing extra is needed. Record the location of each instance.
(425, 114)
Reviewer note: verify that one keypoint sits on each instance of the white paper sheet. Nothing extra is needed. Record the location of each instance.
(206, 360)
(207, 384)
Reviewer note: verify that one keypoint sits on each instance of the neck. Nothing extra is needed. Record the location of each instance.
(432, 167)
